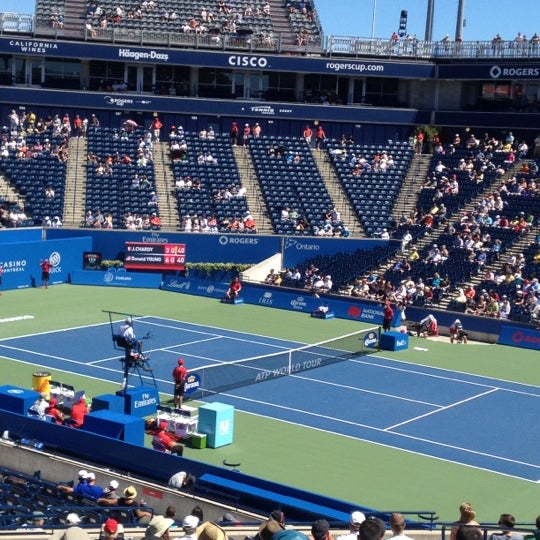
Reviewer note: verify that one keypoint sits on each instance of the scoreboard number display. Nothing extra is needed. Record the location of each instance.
(150, 256)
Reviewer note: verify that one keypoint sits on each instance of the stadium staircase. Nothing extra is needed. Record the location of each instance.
(8, 193)
(75, 191)
(340, 198)
(408, 196)
(167, 200)
(74, 12)
(281, 24)
(254, 195)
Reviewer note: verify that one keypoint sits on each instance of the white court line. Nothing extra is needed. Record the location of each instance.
(285, 347)
(405, 436)
(463, 373)
(472, 398)
(366, 391)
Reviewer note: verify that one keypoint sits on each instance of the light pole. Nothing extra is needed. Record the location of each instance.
(459, 23)
(373, 18)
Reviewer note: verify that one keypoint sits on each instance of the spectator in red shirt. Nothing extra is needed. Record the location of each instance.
(320, 137)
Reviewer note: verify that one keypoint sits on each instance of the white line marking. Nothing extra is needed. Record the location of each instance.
(457, 403)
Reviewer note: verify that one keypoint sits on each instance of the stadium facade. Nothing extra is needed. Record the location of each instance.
(373, 89)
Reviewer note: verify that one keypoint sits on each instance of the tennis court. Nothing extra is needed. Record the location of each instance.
(371, 398)
(375, 422)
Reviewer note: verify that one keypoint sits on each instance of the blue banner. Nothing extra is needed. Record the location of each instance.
(23, 234)
(116, 278)
(217, 59)
(20, 261)
(298, 249)
(218, 248)
(301, 300)
(235, 108)
(527, 338)
(493, 71)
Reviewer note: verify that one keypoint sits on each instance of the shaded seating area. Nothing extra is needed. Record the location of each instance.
(372, 192)
(22, 495)
(114, 185)
(207, 183)
(291, 182)
(40, 178)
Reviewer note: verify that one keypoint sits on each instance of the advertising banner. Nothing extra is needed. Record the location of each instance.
(21, 261)
(200, 248)
(217, 59)
(22, 234)
(303, 301)
(520, 337)
(116, 278)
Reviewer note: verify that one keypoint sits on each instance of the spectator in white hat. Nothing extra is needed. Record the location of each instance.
(189, 526)
(110, 496)
(73, 532)
(355, 520)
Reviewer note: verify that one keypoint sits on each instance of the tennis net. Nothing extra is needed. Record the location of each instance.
(220, 378)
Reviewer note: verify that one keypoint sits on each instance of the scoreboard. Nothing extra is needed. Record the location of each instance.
(150, 256)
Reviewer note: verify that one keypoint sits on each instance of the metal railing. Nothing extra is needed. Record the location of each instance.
(406, 47)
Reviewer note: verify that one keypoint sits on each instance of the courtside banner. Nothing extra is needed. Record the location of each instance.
(300, 300)
(22, 234)
(242, 248)
(520, 337)
(116, 278)
(21, 261)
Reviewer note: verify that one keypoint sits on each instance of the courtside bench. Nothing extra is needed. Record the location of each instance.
(245, 492)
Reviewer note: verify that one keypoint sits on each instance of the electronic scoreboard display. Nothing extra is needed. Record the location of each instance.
(150, 256)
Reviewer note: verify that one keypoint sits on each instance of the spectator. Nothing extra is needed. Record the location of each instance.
(129, 498)
(158, 527)
(73, 530)
(372, 528)
(189, 526)
(355, 520)
(110, 496)
(508, 522)
(320, 530)
(210, 531)
(197, 511)
(469, 532)
(111, 530)
(467, 516)
(397, 524)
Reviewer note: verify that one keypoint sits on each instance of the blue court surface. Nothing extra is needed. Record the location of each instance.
(481, 422)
